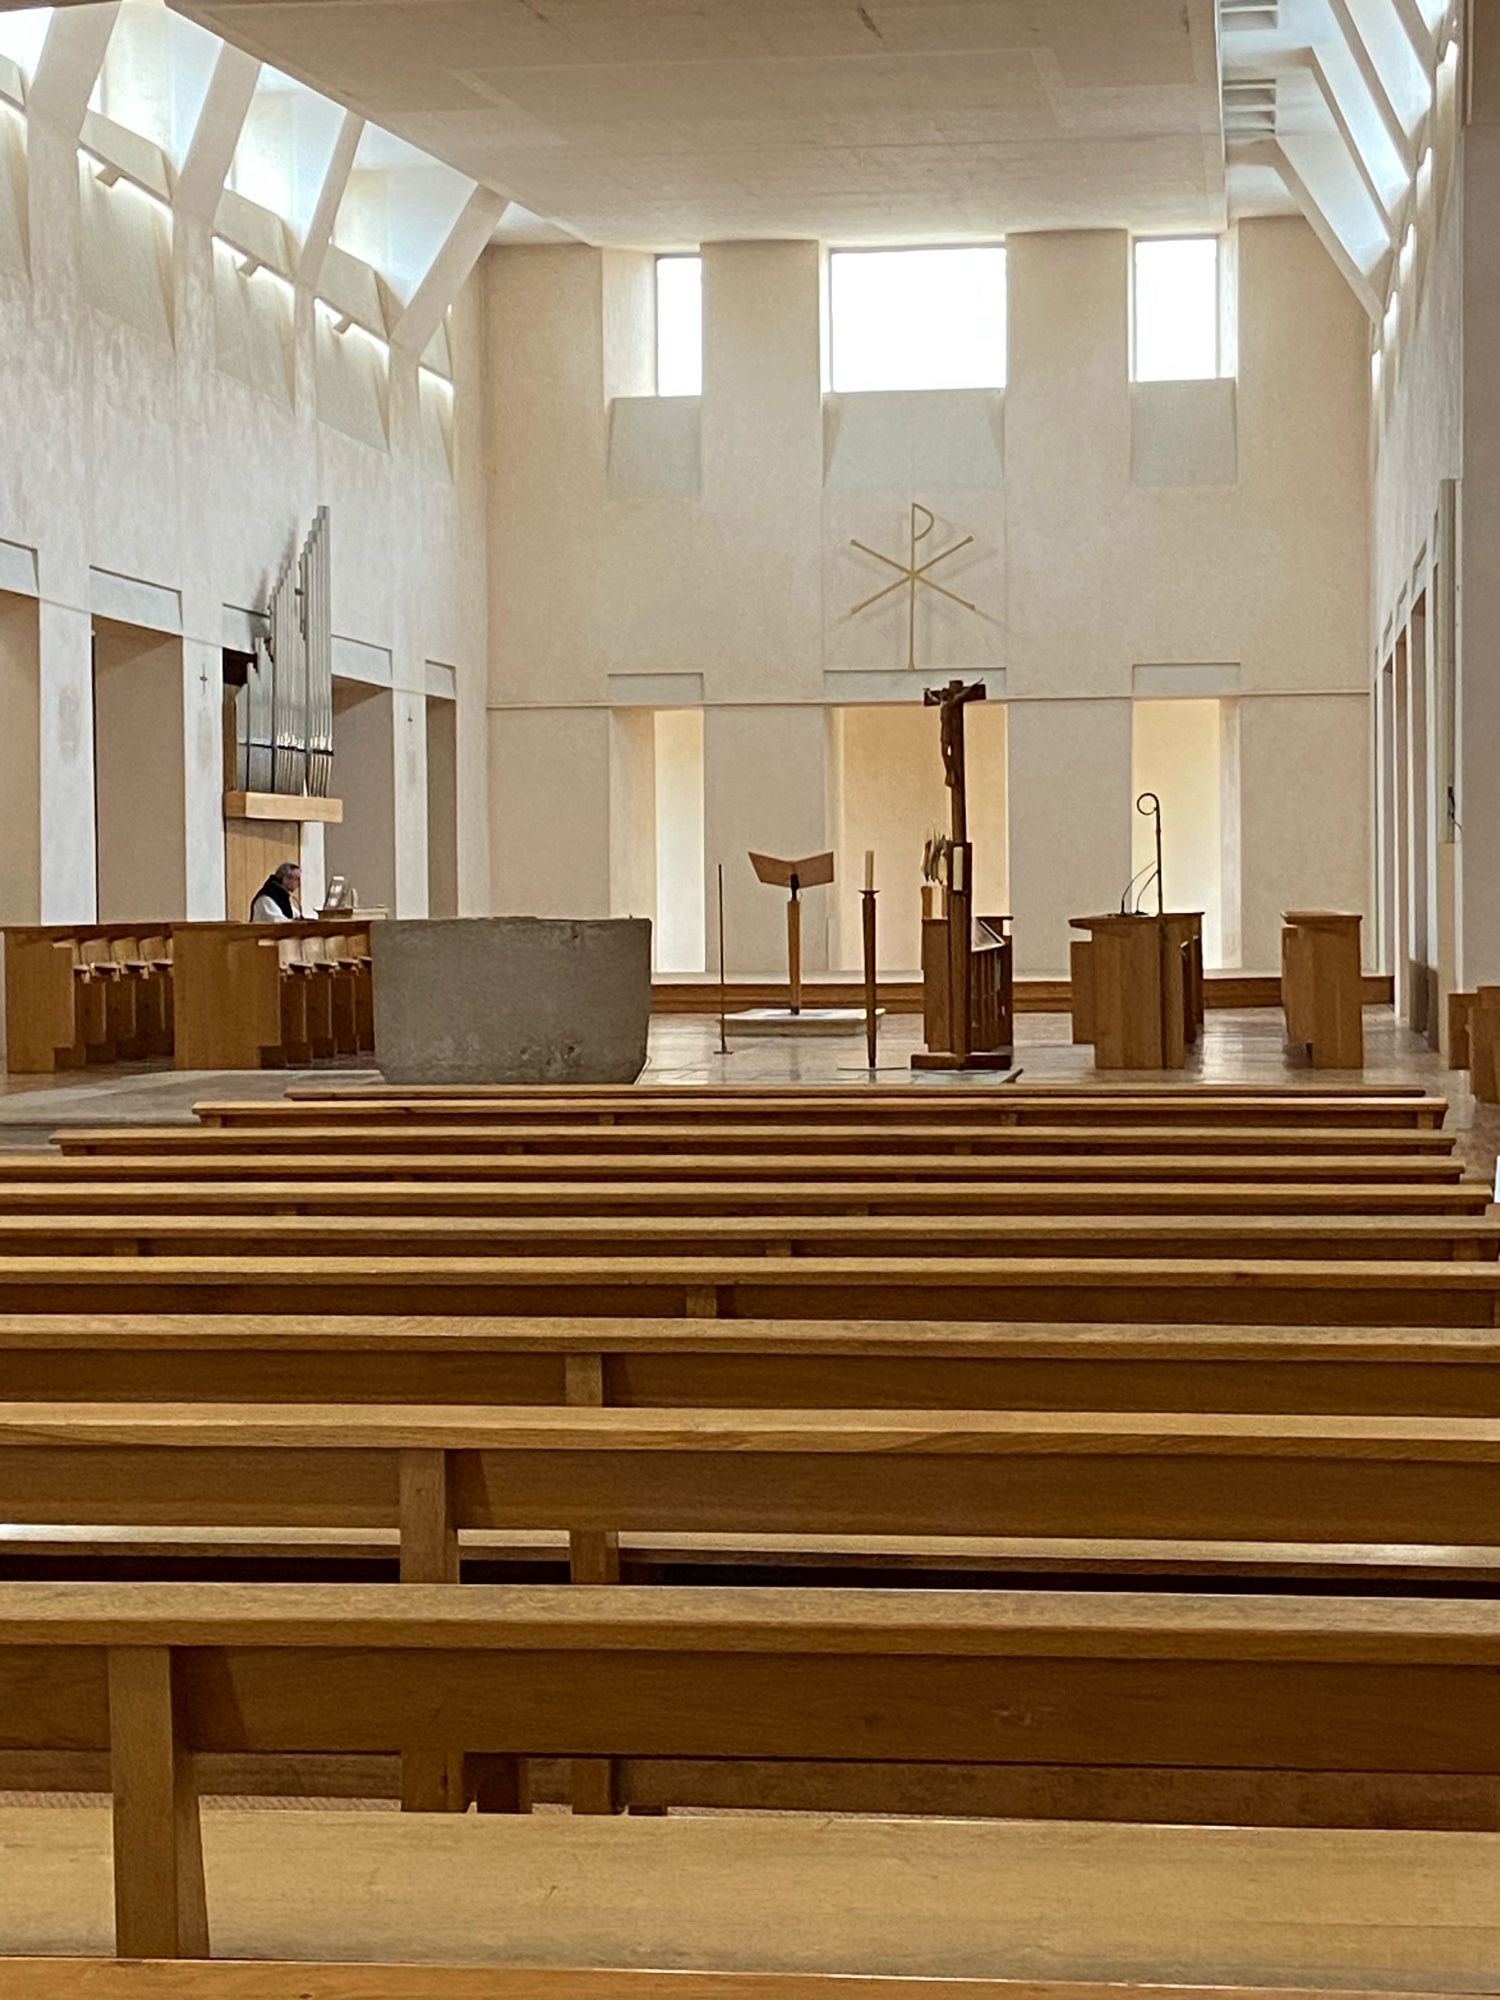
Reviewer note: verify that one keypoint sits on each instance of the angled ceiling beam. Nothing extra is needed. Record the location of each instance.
(1417, 32)
(217, 132)
(71, 59)
(459, 253)
(326, 214)
(1374, 83)
(1329, 95)
(1269, 153)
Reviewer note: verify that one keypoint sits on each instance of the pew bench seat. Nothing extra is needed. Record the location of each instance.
(840, 1697)
(353, 1162)
(1135, 1236)
(1156, 1199)
(674, 1139)
(1000, 1107)
(426, 1359)
(1345, 1291)
(1072, 1477)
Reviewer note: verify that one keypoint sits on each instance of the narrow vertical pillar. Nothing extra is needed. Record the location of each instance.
(593, 1557)
(160, 1907)
(65, 654)
(431, 1779)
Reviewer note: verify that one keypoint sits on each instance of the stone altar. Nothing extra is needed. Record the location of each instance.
(511, 999)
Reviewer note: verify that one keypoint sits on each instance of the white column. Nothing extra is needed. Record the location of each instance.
(67, 766)
(203, 778)
(410, 780)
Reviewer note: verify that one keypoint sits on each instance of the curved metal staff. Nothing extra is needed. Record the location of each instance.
(1148, 804)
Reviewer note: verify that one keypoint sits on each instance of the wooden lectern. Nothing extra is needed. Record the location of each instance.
(1322, 986)
(1138, 988)
(816, 872)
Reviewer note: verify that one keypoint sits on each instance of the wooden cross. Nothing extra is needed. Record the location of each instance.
(950, 702)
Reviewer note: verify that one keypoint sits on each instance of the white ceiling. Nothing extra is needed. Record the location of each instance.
(660, 123)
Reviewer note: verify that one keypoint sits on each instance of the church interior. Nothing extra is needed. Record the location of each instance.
(750, 1047)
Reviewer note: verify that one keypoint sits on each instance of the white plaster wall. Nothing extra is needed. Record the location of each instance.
(442, 808)
(136, 441)
(550, 813)
(1304, 800)
(20, 746)
(1175, 752)
(765, 788)
(890, 798)
(1070, 855)
(139, 776)
(681, 886)
(362, 847)
(1245, 552)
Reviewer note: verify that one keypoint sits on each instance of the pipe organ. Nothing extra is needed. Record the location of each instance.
(284, 714)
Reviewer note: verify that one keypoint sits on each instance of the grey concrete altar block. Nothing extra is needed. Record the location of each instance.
(511, 999)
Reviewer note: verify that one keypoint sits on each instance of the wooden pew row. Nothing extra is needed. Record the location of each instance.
(744, 1364)
(1132, 1290)
(839, 1692)
(348, 1162)
(942, 1199)
(429, 1473)
(220, 1979)
(1007, 1107)
(1095, 1088)
(679, 1140)
(1143, 1236)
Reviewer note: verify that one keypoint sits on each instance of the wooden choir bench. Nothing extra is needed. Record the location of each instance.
(255, 996)
(1135, 1290)
(161, 1198)
(86, 993)
(344, 1160)
(426, 1235)
(677, 1141)
(672, 1364)
(996, 1107)
(841, 1695)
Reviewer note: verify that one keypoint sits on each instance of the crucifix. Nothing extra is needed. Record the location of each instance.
(950, 702)
(948, 950)
(911, 575)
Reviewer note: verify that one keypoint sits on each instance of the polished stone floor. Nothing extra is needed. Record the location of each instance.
(1239, 1045)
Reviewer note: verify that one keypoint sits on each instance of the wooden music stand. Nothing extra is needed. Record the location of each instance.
(816, 872)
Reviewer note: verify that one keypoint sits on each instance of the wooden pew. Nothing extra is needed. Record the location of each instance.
(1134, 1290)
(220, 1979)
(1007, 1107)
(340, 1092)
(674, 1139)
(349, 1162)
(403, 1197)
(740, 1689)
(1140, 1236)
(671, 1364)
(430, 1473)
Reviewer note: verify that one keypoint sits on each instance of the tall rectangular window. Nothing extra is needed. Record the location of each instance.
(1176, 309)
(918, 319)
(679, 326)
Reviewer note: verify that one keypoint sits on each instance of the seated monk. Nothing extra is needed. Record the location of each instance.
(276, 900)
